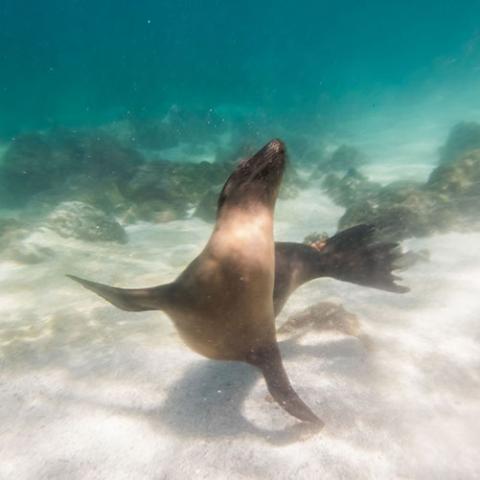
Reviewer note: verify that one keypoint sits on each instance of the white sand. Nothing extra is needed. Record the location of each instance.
(91, 392)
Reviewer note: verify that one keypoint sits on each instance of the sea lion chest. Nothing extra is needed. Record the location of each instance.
(227, 292)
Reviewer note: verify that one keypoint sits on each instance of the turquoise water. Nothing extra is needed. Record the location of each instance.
(119, 124)
(87, 63)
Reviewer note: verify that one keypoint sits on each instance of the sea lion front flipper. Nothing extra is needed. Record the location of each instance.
(269, 361)
(129, 299)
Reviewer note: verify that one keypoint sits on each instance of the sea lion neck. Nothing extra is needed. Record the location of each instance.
(240, 228)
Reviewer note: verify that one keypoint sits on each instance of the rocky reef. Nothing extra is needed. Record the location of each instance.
(449, 200)
(350, 188)
(343, 159)
(86, 183)
(463, 138)
(37, 162)
(323, 316)
(84, 222)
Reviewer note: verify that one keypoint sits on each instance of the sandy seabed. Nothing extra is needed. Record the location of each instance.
(91, 392)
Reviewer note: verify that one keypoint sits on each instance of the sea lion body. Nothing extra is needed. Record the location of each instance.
(225, 302)
(226, 311)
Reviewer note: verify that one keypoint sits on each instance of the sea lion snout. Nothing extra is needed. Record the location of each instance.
(276, 146)
(257, 179)
(271, 157)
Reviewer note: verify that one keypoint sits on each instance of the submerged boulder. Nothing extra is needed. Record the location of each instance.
(179, 185)
(458, 185)
(463, 138)
(207, 207)
(38, 162)
(292, 183)
(153, 211)
(460, 178)
(403, 209)
(450, 199)
(103, 193)
(84, 222)
(343, 159)
(163, 191)
(324, 316)
(398, 211)
(349, 189)
(30, 165)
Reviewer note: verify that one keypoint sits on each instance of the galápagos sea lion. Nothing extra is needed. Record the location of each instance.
(224, 303)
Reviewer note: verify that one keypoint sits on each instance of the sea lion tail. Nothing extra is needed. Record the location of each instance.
(270, 364)
(354, 255)
(129, 299)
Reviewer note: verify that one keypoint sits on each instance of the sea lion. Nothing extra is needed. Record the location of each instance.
(221, 304)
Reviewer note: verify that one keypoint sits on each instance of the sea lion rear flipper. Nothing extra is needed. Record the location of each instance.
(352, 255)
(129, 299)
(270, 364)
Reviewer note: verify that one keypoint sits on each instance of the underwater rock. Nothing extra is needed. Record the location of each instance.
(350, 189)
(38, 162)
(153, 211)
(152, 181)
(84, 222)
(156, 134)
(292, 183)
(123, 131)
(464, 137)
(458, 184)
(97, 153)
(343, 159)
(207, 208)
(460, 178)
(30, 166)
(162, 191)
(103, 193)
(450, 199)
(324, 316)
(401, 210)
(175, 182)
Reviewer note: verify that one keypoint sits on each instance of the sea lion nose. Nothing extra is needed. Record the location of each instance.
(276, 146)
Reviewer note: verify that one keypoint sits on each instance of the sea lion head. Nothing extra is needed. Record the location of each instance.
(256, 180)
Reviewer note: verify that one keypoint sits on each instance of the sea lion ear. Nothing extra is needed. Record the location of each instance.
(129, 299)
